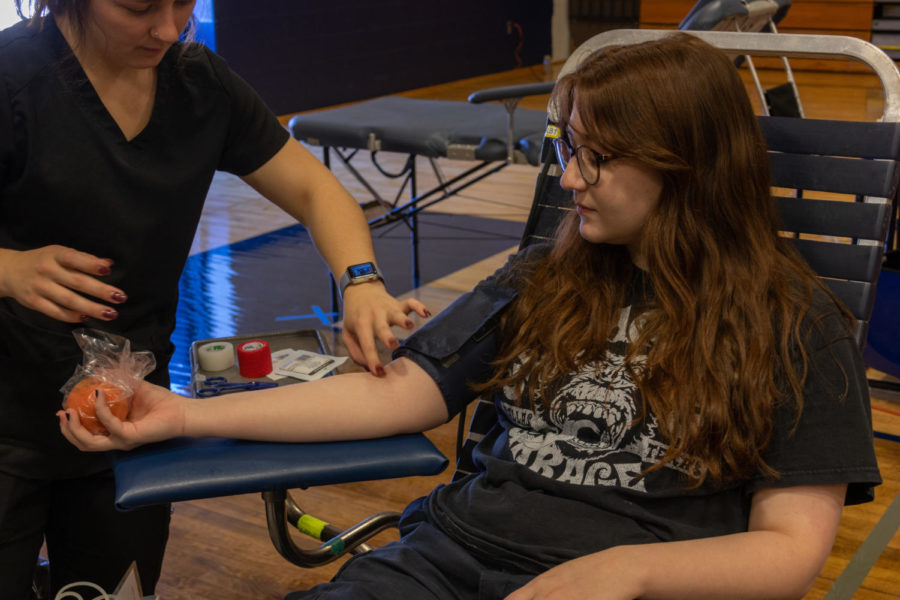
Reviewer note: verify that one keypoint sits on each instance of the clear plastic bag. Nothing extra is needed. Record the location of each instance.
(110, 365)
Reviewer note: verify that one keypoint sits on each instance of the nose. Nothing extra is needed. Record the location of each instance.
(571, 178)
(165, 26)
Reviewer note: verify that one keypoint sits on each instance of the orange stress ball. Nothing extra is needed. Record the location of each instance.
(81, 398)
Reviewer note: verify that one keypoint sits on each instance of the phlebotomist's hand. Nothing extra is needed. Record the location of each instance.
(369, 312)
(52, 280)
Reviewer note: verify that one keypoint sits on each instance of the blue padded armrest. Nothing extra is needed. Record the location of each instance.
(511, 92)
(189, 469)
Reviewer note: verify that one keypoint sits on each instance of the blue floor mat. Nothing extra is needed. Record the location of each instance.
(882, 350)
(278, 282)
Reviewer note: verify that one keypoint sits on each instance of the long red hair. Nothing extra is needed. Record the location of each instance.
(721, 340)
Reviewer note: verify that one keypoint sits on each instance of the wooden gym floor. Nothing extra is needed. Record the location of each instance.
(219, 548)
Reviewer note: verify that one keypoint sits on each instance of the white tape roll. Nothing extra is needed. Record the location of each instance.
(216, 356)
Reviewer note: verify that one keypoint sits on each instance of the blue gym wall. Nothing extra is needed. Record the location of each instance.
(305, 54)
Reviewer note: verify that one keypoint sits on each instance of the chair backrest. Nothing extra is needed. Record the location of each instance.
(835, 184)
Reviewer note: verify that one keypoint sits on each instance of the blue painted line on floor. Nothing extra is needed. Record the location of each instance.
(845, 586)
(886, 436)
(324, 317)
(854, 574)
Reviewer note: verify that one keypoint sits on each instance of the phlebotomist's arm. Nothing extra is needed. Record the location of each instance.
(297, 182)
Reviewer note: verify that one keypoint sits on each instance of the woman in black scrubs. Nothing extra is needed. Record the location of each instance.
(110, 133)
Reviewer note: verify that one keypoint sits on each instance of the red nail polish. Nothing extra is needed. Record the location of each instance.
(118, 297)
(109, 314)
(104, 271)
(84, 318)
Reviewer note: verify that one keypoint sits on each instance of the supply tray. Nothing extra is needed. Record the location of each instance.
(303, 339)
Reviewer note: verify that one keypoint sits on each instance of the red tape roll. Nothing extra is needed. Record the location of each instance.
(254, 358)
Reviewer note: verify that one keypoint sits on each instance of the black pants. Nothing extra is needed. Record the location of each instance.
(424, 565)
(87, 538)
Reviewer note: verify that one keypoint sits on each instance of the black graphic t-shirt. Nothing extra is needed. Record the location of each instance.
(587, 438)
(553, 485)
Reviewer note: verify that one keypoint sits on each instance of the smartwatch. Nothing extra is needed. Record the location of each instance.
(360, 273)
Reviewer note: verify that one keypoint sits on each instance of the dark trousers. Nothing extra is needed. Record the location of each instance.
(87, 538)
(424, 565)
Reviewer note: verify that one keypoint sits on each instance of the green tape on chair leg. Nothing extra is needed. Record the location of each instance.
(336, 547)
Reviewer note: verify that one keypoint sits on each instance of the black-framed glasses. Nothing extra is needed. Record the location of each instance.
(588, 160)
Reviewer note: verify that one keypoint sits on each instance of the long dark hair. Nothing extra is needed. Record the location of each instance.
(721, 341)
(76, 11)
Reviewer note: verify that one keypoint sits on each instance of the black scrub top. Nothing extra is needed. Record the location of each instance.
(69, 176)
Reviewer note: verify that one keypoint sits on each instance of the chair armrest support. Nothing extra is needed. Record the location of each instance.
(281, 513)
(510, 96)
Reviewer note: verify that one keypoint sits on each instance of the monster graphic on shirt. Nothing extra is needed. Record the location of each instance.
(591, 435)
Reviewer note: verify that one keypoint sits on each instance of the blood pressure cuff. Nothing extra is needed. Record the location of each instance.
(457, 346)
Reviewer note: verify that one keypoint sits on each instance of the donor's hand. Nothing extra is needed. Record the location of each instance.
(156, 414)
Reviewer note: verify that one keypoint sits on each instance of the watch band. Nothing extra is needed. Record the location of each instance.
(364, 272)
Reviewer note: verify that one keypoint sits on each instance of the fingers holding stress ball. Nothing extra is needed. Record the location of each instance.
(81, 399)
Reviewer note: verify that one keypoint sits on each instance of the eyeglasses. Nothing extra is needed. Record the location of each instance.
(588, 160)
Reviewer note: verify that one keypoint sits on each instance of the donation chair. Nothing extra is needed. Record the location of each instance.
(847, 173)
(750, 16)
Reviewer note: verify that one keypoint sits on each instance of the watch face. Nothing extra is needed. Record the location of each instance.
(361, 270)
